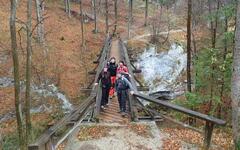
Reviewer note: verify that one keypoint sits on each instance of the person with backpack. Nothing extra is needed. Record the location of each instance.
(122, 68)
(122, 85)
(112, 67)
(105, 79)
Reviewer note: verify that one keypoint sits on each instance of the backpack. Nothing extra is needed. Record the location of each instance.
(106, 80)
(112, 69)
(122, 85)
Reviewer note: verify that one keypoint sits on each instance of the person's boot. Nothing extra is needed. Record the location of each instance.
(103, 108)
(123, 114)
(120, 111)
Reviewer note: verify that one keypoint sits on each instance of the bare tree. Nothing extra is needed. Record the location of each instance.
(95, 16)
(67, 7)
(214, 26)
(236, 83)
(146, 12)
(116, 16)
(40, 27)
(189, 27)
(28, 71)
(106, 15)
(16, 73)
(82, 23)
(83, 60)
(131, 10)
(129, 17)
(225, 51)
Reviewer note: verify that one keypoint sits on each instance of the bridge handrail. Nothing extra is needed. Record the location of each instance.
(102, 62)
(210, 120)
(181, 109)
(132, 101)
(167, 104)
(45, 140)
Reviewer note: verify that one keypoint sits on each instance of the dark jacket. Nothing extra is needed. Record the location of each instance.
(105, 78)
(112, 68)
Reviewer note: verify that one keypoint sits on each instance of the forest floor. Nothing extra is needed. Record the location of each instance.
(67, 64)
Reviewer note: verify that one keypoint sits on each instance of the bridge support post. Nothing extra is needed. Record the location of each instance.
(98, 102)
(132, 108)
(208, 134)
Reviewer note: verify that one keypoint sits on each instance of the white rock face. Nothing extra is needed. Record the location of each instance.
(52, 90)
(161, 70)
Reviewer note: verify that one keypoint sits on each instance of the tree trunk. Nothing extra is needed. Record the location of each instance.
(68, 8)
(28, 71)
(223, 73)
(116, 16)
(189, 50)
(40, 27)
(131, 11)
(12, 24)
(236, 84)
(106, 15)
(82, 24)
(65, 6)
(95, 16)
(189, 26)
(129, 17)
(213, 37)
(146, 12)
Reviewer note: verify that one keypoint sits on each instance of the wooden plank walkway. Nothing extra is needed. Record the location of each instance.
(111, 115)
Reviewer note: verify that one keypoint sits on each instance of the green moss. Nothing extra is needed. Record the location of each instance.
(10, 142)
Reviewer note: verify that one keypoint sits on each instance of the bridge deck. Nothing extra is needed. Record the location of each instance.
(111, 113)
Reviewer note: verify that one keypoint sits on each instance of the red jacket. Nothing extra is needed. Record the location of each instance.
(123, 69)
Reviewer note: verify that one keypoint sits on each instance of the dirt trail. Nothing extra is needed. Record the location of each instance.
(161, 33)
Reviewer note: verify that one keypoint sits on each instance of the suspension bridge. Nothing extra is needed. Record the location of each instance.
(89, 110)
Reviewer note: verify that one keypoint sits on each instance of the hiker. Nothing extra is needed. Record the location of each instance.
(122, 85)
(122, 68)
(105, 78)
(112, 67)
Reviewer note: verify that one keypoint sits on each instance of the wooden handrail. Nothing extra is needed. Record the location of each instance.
(210, 120)
(132, 100)
(44, 139)
(102, 62)
(182, 109)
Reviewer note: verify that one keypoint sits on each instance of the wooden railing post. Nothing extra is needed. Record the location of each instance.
(98, 101)
(132, 108)
(33, 147)
(49, 145)
(208, 134)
